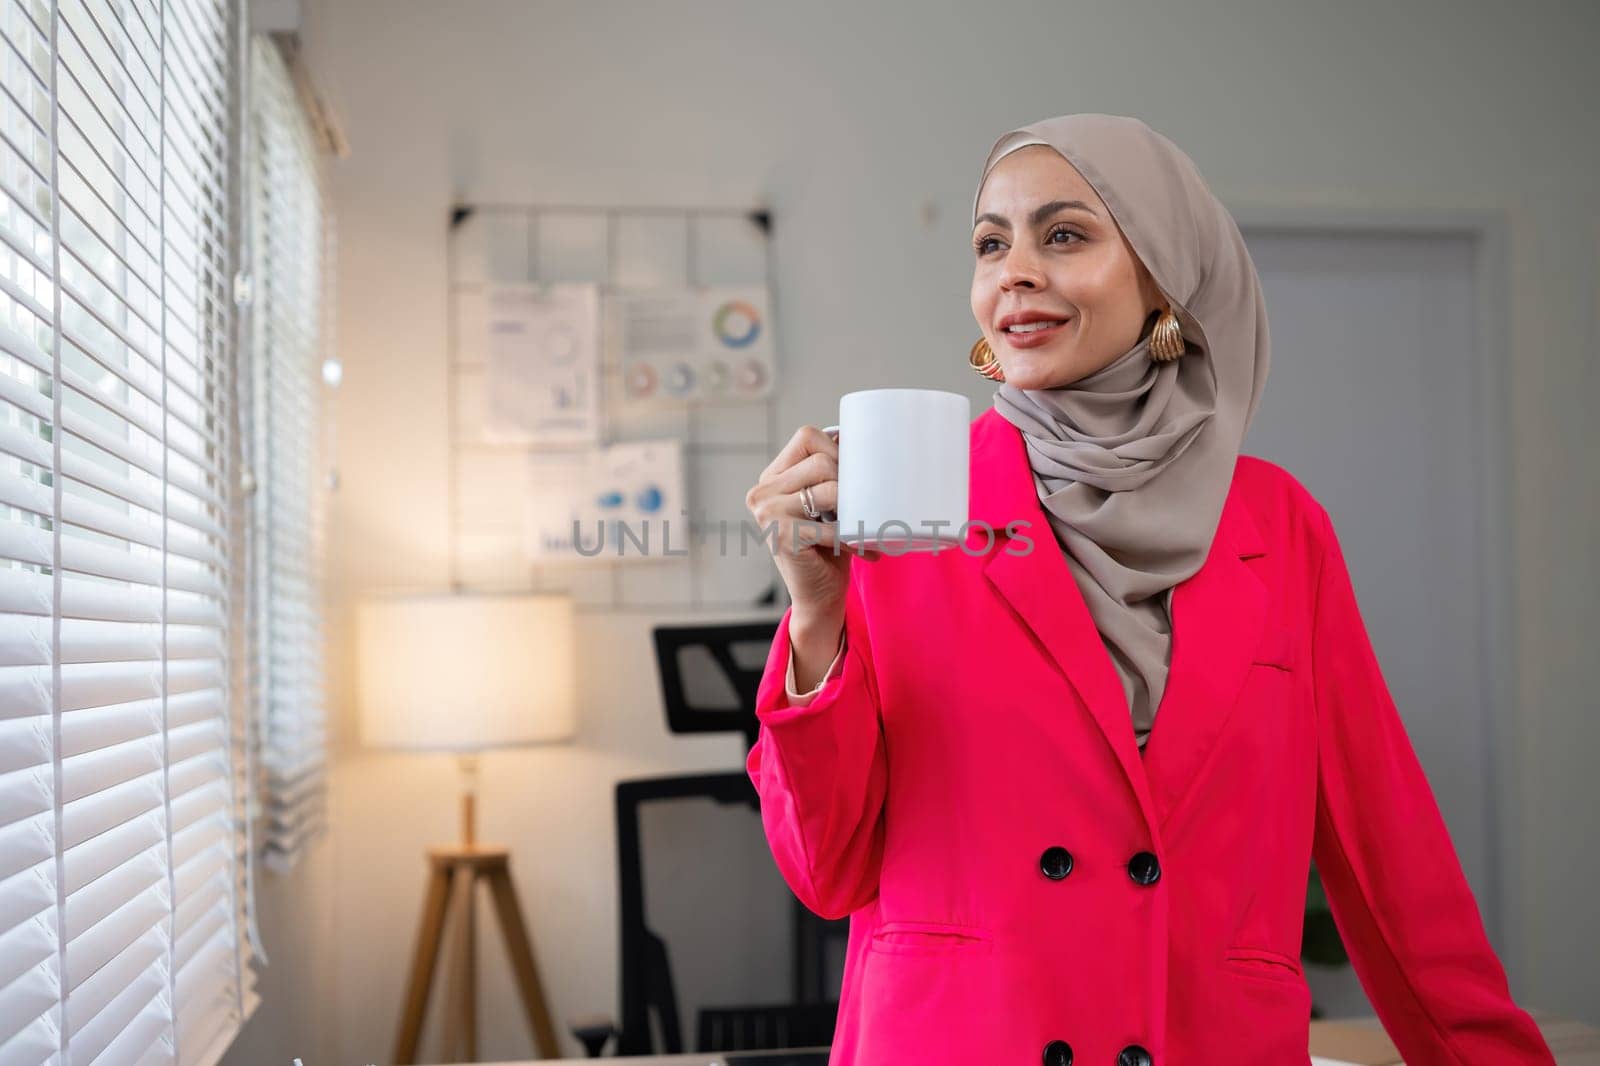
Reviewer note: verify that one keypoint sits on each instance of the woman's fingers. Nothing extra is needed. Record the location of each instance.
(824, 497)
(814, 469)
(807, 440)
(810, 458)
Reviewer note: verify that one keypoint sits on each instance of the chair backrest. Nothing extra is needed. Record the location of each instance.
(691, 871)
(713, 944)
(709, 674)
(794, 1025)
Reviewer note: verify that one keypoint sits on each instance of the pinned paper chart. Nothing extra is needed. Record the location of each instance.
(541, 348)
(709, 342)
(622, 503)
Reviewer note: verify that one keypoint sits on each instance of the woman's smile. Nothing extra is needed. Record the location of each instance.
(1034, 334)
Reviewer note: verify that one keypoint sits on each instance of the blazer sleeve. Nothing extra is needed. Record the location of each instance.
(1394, 882)
(800, 699)
(819, 767)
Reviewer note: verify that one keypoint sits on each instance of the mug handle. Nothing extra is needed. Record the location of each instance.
(832, 431)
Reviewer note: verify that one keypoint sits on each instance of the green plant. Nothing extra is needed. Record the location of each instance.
(1320, 942)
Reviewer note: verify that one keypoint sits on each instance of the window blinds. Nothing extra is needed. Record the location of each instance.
(291, 238)
(123, 901)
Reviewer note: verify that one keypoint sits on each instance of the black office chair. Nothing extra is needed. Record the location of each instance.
(709, 675)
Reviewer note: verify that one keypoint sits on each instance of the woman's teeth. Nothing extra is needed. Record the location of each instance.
(1029, 327)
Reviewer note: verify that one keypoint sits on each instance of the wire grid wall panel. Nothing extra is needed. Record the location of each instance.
(290, 237)
(726, 444)
(121, 912)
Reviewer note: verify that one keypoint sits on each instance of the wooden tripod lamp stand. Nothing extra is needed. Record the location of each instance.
(464, 673)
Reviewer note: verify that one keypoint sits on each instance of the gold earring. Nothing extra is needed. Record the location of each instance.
(1166, 339)
(983, 360)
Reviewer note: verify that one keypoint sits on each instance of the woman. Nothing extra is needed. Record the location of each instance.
(1069, 796)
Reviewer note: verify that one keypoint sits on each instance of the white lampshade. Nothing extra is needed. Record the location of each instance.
(461, 672)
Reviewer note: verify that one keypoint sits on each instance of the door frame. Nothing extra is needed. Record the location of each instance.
(1490, 376)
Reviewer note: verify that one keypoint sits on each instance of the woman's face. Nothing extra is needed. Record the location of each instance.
(1036, 251)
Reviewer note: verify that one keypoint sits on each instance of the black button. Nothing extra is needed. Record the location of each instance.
(1058, 1053)
(1056, 863)
(1134, 1055)
(1144, 868)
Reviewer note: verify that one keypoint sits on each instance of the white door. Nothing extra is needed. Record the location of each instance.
(1375, 401)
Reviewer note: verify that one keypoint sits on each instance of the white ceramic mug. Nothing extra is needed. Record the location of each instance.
(903, 468)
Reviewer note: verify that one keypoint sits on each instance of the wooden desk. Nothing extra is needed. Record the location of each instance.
(1574, 1044)
(1363, 1041)
(709, 1059)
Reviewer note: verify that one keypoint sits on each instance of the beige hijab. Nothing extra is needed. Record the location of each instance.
(1133, 462)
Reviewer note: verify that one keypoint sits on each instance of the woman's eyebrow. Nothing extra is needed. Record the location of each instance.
(1041, 213)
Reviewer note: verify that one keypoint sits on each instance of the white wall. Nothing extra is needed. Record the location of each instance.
(855, 122)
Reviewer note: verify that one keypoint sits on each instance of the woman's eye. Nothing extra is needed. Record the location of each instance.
(982, 247)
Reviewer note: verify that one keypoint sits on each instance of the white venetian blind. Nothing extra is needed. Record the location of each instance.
(123, 900)
(291, 238)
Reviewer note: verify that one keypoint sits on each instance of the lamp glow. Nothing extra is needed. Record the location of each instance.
(466, 672)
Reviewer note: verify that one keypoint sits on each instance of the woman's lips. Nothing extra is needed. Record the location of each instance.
(1033, 338)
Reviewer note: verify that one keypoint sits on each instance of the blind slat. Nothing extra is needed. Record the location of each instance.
(25, 947)
(96, 992)
(90, 949)
(36, 1043)
(134, 1019)
(97, 855)
(26, 1008)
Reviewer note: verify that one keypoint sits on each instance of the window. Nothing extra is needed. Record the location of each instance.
(124, 785)
(290, 235)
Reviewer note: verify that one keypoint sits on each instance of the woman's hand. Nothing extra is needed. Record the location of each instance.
(817, 576)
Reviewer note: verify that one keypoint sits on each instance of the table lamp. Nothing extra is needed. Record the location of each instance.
(462, 673)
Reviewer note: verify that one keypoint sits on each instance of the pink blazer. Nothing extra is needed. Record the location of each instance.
(1023, 886)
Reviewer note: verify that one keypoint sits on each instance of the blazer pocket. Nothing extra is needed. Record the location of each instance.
(1264, 962)
(930, 938)
(1275, 648)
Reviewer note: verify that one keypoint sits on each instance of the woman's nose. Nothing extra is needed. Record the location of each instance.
(1020, 273)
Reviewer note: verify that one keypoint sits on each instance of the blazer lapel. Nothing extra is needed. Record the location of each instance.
(1039, 587)
(1217, 616)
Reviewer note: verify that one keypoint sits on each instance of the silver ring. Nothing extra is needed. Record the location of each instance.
(809, 505)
